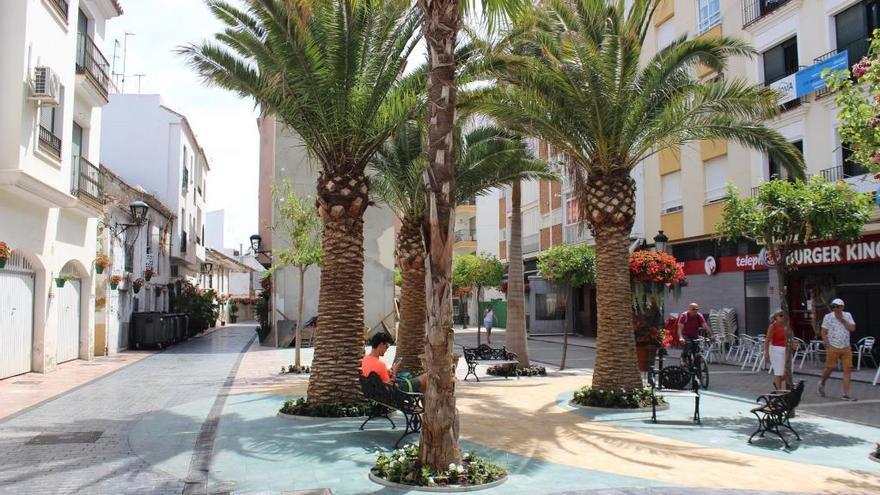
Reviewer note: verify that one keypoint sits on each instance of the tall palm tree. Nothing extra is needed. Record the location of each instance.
(331, 71)
(487, 157)
(515, 337)
(584, 91)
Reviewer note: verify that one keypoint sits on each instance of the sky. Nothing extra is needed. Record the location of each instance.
(225, 125)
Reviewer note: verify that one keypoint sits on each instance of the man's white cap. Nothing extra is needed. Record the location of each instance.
(837, 302)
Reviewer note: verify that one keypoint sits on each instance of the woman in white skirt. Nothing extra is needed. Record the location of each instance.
(774, 347)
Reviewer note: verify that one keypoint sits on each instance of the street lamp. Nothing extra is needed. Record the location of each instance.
(660, 241)
(207, 267)
(138, 211)
(256, 240)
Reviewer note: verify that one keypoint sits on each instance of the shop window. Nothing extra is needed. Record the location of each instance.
(549, 307)
(708, 13)
(776, 171)
(671, 186)
(665, 34)
(715, 177)
(853, 28)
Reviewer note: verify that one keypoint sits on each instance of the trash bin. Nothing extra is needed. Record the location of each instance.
(180, 333)
(148, 330)
(168, 329)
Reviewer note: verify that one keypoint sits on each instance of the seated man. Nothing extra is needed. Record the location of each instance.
(372, 364)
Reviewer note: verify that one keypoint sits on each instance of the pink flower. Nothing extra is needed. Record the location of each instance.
(858, 70)
(875, 157)
(874, 122)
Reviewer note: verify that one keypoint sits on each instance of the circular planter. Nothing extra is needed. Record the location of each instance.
(99, 269)
(312, 418)
(660, 407)
(436, 489)
(147, 279)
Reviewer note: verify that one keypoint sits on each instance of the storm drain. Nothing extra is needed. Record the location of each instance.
(68, 437)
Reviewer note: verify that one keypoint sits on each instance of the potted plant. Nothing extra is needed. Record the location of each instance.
(114, 281)
(102, 261)
(652, 274)
(233, 312)
(5, 253)
(148, 274)
(62, 278)
(137, 284)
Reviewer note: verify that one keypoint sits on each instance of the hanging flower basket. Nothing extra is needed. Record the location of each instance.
(60, 280)
(148, 274)
(137, 284)
(5, 253)
(101, 261)
(114, 281)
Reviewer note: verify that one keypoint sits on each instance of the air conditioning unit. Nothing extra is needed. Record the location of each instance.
(45, 86)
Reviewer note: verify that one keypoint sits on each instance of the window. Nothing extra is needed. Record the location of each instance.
(776, 171)
(572, 211)
(709, 14)
(715, 177)
(851, 168)
(665, 34)
(780, 61)
(671, 186)
(853, 29)
(549, 306)
(529, 192)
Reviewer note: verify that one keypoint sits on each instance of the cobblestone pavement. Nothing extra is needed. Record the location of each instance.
(724, 379)
(93, 453)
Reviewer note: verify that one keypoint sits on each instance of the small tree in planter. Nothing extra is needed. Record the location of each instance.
(477, 271)
(5, 253)
(571, 265)
(102, 261)
(785, 216)
(115, 281)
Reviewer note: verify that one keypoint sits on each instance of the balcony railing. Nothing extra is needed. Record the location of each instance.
(842, 172)
(531, 243)
(753, 10)
(90, 61)
(855, 51)
(796, 102)
(465, 235)
(87, 181)
(50, 143)
(61, 6)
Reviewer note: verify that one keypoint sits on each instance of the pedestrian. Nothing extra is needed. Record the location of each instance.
(836, 328)
(774, 347)
(488, 321)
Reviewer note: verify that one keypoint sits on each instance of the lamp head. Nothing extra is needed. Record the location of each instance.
(660, 241)
(208, 267)
(139, 211)
(256, 240)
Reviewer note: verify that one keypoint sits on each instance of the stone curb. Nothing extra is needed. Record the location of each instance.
(436, 489)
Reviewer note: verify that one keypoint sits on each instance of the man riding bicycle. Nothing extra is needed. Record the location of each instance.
(691, 325)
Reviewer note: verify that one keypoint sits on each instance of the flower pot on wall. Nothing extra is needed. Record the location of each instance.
(99, 269)
(59, 282)
(114, 285)
(2, 262)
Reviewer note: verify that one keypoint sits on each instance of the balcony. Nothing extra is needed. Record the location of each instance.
(855, 51)
(790, 104)
(50, 143)
(91, 70)
(754, 10)
(852, 174)
(87, 182)
(531, 243)
(465, 235)
(62, 7)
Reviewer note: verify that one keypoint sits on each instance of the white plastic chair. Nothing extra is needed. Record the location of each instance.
(865, 346)
(876, 376)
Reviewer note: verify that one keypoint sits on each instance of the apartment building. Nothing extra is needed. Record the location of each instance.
(550, 216)
(283, 157)
(795, 40)
(53, 86)
(147, 143)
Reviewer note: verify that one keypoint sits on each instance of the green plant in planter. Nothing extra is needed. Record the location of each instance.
(61, 279)
(402, 466)
(102, 261)
(301, 407)
(233, 312)
(512, 370)
(617, 399)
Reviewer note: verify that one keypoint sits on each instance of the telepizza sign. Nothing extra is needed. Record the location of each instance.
(864, 250)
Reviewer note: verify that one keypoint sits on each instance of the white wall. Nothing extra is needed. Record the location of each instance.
(215, 225)
(488, 235)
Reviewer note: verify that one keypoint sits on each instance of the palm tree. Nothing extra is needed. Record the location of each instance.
(331, 71)
(516, 292)
(584, 91)
(487, 157)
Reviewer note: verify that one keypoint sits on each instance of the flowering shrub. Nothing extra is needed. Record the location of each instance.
(301, 407)
(402, 466)
(650, 335)
(5, 250)
(512, 370)
(859, 104)
(199, 304)
(115, 279)
(648, 266)
(619, 399)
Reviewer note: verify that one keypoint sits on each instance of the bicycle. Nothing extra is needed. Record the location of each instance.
(693, 357)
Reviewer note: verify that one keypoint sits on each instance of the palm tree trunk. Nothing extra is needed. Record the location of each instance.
(611, 211)
(339, 343)
(411, 260)
(438, 445)
(299, 315)
(516, 295)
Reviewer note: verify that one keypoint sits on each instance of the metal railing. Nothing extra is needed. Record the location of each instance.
(49, 142)
(62, 7)
(842, 172)
(90, 61)
(531, 243)
(465, 235)
(87, 181)
(855, 51)
(754, 10)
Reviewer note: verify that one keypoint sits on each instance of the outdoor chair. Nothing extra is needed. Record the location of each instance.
(775, 412)
(876, 376)
(865, 347)
(387, 396)
(800, 351)
(484, 354)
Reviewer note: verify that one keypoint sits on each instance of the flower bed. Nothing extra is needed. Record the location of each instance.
(512, 370)
(301, 407)
(616, 399)
(296, 370)
(402, 466)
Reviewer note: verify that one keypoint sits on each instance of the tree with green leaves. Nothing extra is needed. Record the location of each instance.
(788, 215)
(569, 266)
(570, 74)
(486, 157)
(299, 225)
(333, 72)
(477, 271)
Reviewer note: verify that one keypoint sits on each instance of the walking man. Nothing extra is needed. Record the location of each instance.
(836, 328)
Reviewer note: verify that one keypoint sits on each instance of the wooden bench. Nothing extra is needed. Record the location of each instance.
(388, 395)
(484, 354)
(775, 410)
(674, 381)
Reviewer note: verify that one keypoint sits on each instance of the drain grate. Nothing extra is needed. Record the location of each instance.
(67, 437)
(27, 382)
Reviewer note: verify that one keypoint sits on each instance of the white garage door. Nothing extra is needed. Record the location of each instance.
(16, 317)
(68, 321)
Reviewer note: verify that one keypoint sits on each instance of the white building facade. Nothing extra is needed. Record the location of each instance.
(53, 85)
(148, 144)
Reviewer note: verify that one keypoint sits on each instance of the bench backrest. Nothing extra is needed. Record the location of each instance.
(484, 351)
(789, 400)
(676, 378)
(387, 394)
